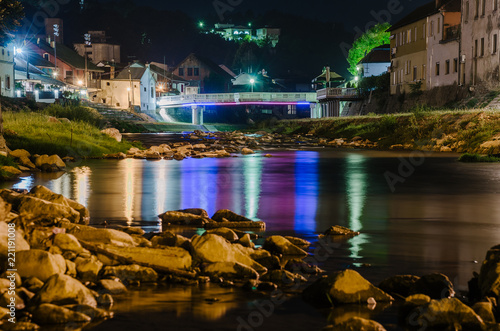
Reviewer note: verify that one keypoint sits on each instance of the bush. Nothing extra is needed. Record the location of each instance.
(76, 113)
(472, 158)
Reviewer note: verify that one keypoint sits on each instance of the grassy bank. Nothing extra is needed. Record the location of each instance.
(34, 132)
(463, 131)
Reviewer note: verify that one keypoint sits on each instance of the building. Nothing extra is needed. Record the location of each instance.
(204, 74)
(377, 62)
(134, 86)
(99, 50)
(232, 32)
(272, 34)
(166, 82)
(7, 70)
(479, 55)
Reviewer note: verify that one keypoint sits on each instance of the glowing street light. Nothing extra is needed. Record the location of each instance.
(80, 82)
(252, 81)
(201, 24)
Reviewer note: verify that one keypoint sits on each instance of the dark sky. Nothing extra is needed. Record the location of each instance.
(350, 12)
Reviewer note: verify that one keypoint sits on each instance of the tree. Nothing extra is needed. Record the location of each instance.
(376, 36)
(11, 12)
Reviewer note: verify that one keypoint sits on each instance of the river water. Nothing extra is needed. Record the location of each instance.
(417, 213)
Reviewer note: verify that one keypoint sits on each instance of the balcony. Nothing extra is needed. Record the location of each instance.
(338, 93)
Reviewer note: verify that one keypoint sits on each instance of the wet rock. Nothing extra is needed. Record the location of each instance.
(166, 257)
(302, 267)
(33, 284)
(246, 241)
(10, 172)
(342, 287)
(195, 211)
(51, 314)
(298, 241)
(230, 270)
(101, 236)
(5, 299)
(489, 276)
(448, 313)
(399, 284)
(247, 151)
(113, 133)
(140, 241)
(39, 264)
(88, 269)
(356, 324)
(105, 300)
(116, 156)
(437, 286)
(31, 209)
(63, 290)
(338, 230)
(281, 245)
(26, 162)
(225, 233)
(20, 326)
(131, 273)
(485, 311)
(181, 218)
(270, 262)
(19, 153)
(254, 226)
(92, 312)
(44, 193)
(4, 209)
(21, 243)
(112, 286)
(283, 277)
(51, 163)
(229, 215)
(67, 242)
(171, 239)
(213, 248)
(71, 268)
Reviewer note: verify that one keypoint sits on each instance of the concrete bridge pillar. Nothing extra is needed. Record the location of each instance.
(197, 115)
(315, 110)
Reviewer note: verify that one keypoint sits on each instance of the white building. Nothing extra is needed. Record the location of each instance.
(134, 86)
(377, 62)
(7, 70)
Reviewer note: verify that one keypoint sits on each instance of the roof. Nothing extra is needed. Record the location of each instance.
(209, 63)
(36, 60)
(165, 73)
(35, 73)
(68, 56)
(135, 71)
(416, 15)
(379, 54)
(333, 77)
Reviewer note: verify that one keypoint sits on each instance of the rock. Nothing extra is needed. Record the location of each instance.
(63, 290)
(199, 146)
(489, 276)
(231, 270)
(101, 236)
(246, 241)
(168, 238)
(20, 326)
(302, 267)
(247, 151)
(270, 262)
(92, 312)
(342, 287)
(268, 155)
(113, 133)
(131, 273)
(229, 216)
(51, 163)
(213, 248)
(67, 242)
(21, 243)
(131, 230)
(5, 299)
(33, 284)
(26, 162)
(437, 286)
(88, 269)
(71, 268)
(280, 245)
(356, 324)
(399, 284)
(51, 314)
(176, 217)
(446, 313)
(338, 230)
(105, 300)
(195, 211)
(254, 226)
(4, 210)
(283, 277)
(19, 153)
(44, 193)
(53, 119)
(445, 149)
(225, 233)
(298, 241)
(140, 241)
(11, 172)
(35, 209)
(485, 311)
(267, 286)
(112, 286)
(167, 257)
(117, 156)
(39, 264)
(397, 147)
(12, 276)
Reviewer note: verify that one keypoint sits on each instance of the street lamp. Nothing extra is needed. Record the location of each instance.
(252, 81)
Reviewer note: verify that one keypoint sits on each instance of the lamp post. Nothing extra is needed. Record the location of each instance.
(87, 44)
(252, 81)
(56, 34)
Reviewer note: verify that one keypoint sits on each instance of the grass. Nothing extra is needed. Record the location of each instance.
(6, 161)
(33, 132)
(473, 158)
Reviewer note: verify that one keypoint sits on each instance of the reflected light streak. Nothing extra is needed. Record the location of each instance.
(128, 176)
(81, 184)
(306, 191)
(252, 172)
(161, 186)
(26, 183)
(356, 196)
(61, 185)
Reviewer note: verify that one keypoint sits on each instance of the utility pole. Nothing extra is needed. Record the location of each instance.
(85, 46)
(56, 34)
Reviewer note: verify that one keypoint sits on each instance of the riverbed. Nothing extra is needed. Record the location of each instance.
(417, 213)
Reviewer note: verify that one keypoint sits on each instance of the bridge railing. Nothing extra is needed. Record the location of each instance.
(337, 92)
(237, 97)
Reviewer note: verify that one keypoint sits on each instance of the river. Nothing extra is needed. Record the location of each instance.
(417, 213)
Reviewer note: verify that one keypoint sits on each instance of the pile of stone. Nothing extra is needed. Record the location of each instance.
(27, 162)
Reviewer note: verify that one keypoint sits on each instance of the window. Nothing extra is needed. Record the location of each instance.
(495, 4)
(424, 73)
(455, 65)
(466, 11)
(495, 43)
(181, 71)
(7, 82)
(423, 31)
(437, 68)
(439, 25)
(108, 84)
(404, 37)
(482, 46)
(46, 56)
(397, 40)
(152, 91)
(447, 67)
(414, 73)
(477, 10)
(196, 71)
(431, 33)
(475, 48)
(416, 34)
(190, 71)
(145, 90)
(483, 9)
(408, 36)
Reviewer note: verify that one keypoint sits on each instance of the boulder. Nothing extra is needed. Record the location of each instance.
(33, 284)
(247, 151)
(225, 233)
(131, 273)
(270, 262)
(51, 163)
(112, 286)
(20, 326)
(44, 193)
(64, 290)
(67, 242)
(92, 312)
(356, 324)
(231, 270)
(399, 284)
(166, 257)
(101, 236)
(88, 269)
(5, 299)
(71, 268)
(298, 241)
(113, 133)
(343, 287)
(195, 211)
(10, 172)
(447, 313)
(283, 277)
(212, 248)
(246, 241)
(4, 209)
(281, 245)
(302, 267)
(21, 243)
(51, 314)
(181, 218)
(437, 286)
(485, 311)
(489, 276)
(338, 230)
(19, 153)
(168, 238)
(39, 264)
(230, 216)
(35, 209)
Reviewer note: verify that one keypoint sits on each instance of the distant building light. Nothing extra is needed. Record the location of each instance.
(80, 82)
(235, 32)
(18, 92)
